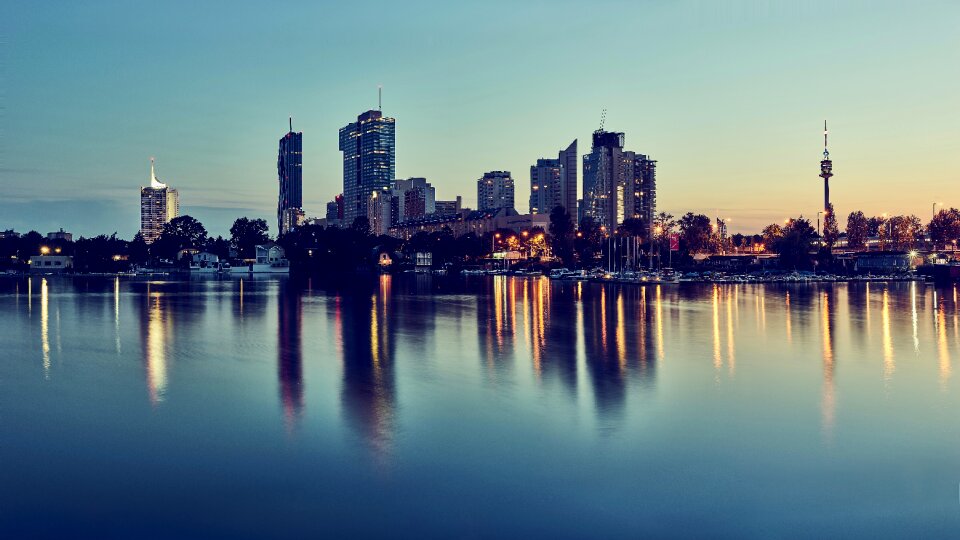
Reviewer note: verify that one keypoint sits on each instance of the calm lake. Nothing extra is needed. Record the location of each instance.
(414, 406)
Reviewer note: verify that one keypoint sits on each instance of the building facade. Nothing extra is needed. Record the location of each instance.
(158, 205)
(617, 184)
(369, 160)
(553, 183)
(449, 208)
(545, 185)
(495, 191)
(380, 208)
(290, 178)
(415, 198)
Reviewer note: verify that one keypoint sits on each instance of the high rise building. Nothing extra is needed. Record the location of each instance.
(553, 182)
(290, 177)
(495, 191)
(380, 207)
(617, 184)
(567, 194)
(158, 205)
(603, 178)
(416, 198)
(545, 185)
(369, 160)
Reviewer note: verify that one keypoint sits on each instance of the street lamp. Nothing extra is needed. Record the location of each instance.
(44, 250)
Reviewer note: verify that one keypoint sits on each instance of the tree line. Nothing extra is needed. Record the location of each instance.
(329, 249)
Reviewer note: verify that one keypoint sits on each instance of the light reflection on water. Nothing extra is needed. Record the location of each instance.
(477, 388)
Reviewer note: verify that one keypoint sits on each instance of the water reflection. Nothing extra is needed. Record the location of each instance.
(366, 323)
(602, 345)
(155, 330)
(289, 350)
(45, 326)
(828, 400)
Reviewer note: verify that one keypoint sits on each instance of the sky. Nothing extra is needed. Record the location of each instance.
(728, 97)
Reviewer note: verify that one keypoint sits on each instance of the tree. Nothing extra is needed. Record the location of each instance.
(589, 238)
(857, 230)
(187, 229)
(903, 231)
(633, 227)
(794, 246)
(137, 250)
(944, 228)
(831, 232)
(361, 225)
(246, 233)
(219, 247)
(183, 232)
(695, 231)
(875, 225)
(561, 235)
(771, 234)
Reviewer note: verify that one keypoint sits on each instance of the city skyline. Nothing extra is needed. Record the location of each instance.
(735, 127)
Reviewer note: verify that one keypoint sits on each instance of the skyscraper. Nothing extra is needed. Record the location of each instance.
(568, 179)
(369, 160)
(603, 178)
(553, 182)
(617, 184)
(158, 205)
(495, 191)
(544, 185)
(290, 177)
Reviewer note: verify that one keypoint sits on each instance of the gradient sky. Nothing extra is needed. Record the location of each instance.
(728, 97)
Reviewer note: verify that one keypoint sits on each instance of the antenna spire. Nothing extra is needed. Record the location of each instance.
(380, 97)
(154, 183)
(826, 153)
(291, 124)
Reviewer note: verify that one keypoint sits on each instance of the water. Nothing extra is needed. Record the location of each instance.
(487, 407)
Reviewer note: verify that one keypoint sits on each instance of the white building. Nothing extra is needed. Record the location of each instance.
(158, 205)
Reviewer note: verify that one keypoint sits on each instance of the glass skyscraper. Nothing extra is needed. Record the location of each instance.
(369, 161)
(618, 184)
(290, 177)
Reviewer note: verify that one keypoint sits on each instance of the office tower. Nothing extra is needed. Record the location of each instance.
(369, 160)
(290, 177)
(416, 199)
(603, 179)
(617, 184)
(158, 205)
(495, 191)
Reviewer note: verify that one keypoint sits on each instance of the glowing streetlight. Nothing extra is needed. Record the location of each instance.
(44, 250)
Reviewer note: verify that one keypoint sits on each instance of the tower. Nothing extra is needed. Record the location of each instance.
(290, 179)
(159, 204)
(826, 170)
(369, 160)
